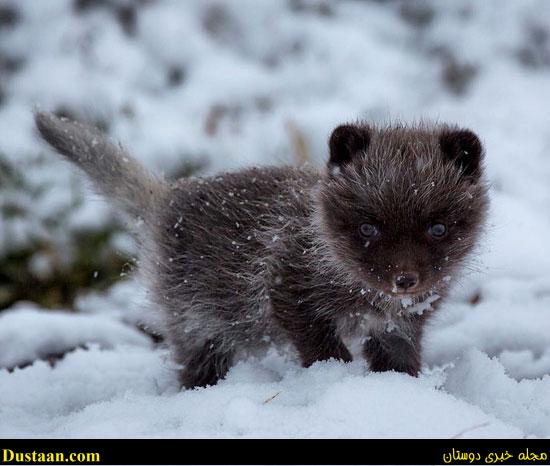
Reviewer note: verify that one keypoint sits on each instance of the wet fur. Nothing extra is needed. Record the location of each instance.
(264, 255)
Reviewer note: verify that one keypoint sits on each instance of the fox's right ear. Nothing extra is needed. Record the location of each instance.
(345, 142)
(464, 148)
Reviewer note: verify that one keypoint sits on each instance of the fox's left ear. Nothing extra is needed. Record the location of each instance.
(464, 148)
(345, 142)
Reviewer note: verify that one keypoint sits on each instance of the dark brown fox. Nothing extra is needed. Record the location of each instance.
(367, 249)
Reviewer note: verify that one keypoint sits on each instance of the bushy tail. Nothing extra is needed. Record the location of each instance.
(118, 176)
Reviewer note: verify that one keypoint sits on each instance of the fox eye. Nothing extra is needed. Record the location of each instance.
(368, 230)
(437, 230)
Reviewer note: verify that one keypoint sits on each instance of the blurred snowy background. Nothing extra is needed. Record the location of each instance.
(192, 87)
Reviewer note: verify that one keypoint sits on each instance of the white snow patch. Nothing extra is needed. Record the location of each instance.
(27, 334)
(422, 306)
(292, 62)
(132, 391)
(483, 382)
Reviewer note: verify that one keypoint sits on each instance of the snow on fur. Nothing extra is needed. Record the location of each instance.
(487, 353)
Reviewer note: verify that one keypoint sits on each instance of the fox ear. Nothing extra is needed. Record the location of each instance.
(345, 142)
(464, 148)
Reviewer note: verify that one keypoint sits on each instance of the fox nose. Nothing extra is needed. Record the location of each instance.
(406, 281)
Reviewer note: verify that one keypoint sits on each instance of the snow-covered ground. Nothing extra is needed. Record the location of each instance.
(231, 83)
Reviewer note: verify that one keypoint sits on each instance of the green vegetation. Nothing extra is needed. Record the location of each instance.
(44, 260)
